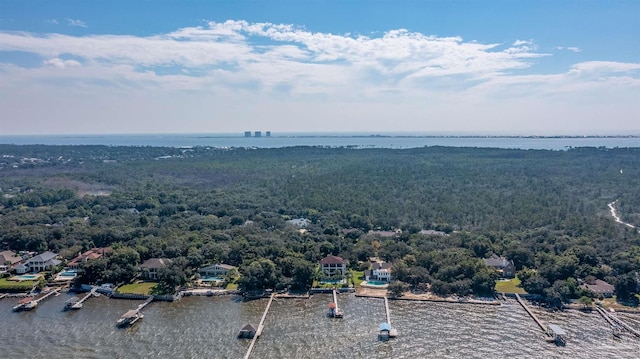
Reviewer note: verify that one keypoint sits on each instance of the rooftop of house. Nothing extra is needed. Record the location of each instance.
(219, 265)
(10, 257)
(496, 261)
(332, 260)
(43, 257)
(600, 286)
(156, 263)
(299, 222)
(381, 265)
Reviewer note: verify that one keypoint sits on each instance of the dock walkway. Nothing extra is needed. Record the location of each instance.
(260, 327)
(50, 293)
(610, 318)
(542, 326)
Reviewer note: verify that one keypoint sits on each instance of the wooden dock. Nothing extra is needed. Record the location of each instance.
(133, 315)
(335, 311)
(260, 327)
(542, 326)
(393, 332)
(76, 303)
(50, 293)
(611, 318)
(147, 302)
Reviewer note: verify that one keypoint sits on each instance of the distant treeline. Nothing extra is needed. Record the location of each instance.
(546, 210)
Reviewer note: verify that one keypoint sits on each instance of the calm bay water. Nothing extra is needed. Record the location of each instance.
(206, 327)
(332, 140)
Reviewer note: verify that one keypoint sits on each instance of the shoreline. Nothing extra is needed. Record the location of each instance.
(427, 297)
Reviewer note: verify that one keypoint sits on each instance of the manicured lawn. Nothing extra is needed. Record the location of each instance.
(137, 288)
(509, 286)
(232, 286)
(357, 277)
(24, 285)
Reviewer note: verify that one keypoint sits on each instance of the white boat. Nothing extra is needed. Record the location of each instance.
(25, 304)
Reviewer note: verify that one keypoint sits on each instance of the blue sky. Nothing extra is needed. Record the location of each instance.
(497, 67)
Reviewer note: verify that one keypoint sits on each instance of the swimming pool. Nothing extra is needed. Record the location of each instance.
(27, 276)
(212, 279)
(375, 283)
(68, 273)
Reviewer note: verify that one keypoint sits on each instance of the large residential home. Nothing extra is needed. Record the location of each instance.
(89, 255)
(599, 287)
(43, 261)
(150, 268)
(379, 271)
(503, 266)
(8, 259)
(332, 266)
(215, 270)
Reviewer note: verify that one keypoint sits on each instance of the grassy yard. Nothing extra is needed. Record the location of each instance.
(232, 286)
(137, 288)
(357, 277)
(509, 286)
(613, 303)
(11, 286)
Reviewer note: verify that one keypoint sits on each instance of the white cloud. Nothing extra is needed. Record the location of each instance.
(569, 48)
(75, 22)
(52, 21)
(233, 63)
(60, 63)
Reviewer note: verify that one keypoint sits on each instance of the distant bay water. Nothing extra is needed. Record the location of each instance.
(357, 140)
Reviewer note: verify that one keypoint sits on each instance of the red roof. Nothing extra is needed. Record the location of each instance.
(332, 260)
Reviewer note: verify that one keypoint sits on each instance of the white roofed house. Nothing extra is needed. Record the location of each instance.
(379, 271)
(43, 261)
(151, 267)
(215, 270)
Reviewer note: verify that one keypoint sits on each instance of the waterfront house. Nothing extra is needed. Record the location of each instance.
(503, 266)
(89, 255)
(43, 261)
(378, 271)
(21, 268)
(215, 270)
(150, 268)
(8, 259)
(333, 266)
(599, 287)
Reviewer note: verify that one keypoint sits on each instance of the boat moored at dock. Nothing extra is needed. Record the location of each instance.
(25, 304)
(129, 318)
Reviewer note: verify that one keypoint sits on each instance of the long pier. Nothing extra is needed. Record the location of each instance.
(50, 293)
(386, 308)
(615, 319)
(260, 327)
(393, 332)
(542, 326)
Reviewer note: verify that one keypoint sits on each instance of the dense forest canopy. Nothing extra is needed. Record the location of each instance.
(546, 210)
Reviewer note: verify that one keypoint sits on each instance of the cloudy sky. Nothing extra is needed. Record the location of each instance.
(491, 67)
